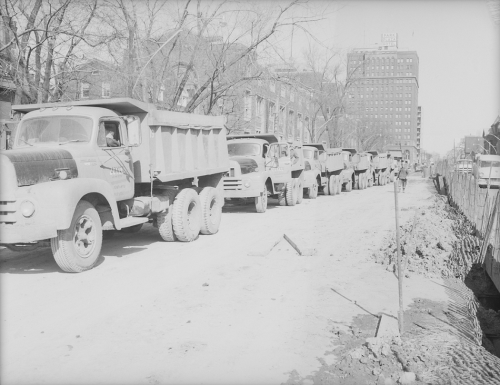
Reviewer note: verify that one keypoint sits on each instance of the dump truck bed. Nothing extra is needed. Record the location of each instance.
(334, 160)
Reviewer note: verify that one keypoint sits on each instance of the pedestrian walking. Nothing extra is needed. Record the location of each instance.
(403, 175)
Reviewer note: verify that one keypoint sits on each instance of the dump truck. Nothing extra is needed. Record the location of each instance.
(80, 168)
(262, 166)
(362, 177)
(394, 158)
(381, 168)
(323, 170)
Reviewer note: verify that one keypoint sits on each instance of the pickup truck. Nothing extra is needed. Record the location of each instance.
(79, 168)
(262, 166)
(486, 170)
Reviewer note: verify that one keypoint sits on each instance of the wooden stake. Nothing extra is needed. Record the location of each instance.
(400, 270)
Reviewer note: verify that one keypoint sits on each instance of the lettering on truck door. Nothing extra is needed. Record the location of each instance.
(114, 157)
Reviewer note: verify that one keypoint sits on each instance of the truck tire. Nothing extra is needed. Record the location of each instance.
(326, 189)
(312, 192)
(332, 187)
(211, 210)
(77, 248)
(291, 192)
(300, 191)
(132, 229)
(164, 220)
(261, 201)
(186, 215)
(338, 185)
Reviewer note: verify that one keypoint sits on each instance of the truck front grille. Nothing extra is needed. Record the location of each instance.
(7, 212)
(233, 184)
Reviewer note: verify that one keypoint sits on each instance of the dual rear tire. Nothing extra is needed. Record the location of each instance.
(191, 214)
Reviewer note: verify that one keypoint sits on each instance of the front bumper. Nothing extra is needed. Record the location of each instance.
(15, 228)
(235, 187)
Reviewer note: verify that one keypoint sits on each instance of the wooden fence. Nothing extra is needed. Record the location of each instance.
(481, 206)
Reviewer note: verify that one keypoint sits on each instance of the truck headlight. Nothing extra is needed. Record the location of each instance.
(27, 209)
(246, 183)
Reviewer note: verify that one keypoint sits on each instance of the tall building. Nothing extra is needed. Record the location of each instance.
(384, 96)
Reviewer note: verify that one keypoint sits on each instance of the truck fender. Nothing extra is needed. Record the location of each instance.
(64, 195)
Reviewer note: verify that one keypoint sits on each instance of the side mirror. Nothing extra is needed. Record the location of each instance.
(133, 130)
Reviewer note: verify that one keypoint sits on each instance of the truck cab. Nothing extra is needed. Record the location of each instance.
(486, 170)
(263, 166)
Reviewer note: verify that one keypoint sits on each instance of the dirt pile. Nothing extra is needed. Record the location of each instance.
(438, 242)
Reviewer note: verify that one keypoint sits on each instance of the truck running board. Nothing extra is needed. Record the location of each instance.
(132, 221)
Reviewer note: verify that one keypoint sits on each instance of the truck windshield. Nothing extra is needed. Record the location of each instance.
(489, 163)
(308, 153)
(52, 129)
(243, 149)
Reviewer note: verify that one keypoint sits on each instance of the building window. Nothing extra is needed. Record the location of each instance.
(247, 115)
(85, 90)
(106, 90)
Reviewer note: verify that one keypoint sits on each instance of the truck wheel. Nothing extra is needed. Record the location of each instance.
(132, 229)
(332, 187)
(282, 197)
(77, 248)
(291, 192)
(164, 220)
(211, 210)
(300, 191)
(326, 189)
(365, 181)
(261, 201)
(312, 192)
(186, 215)
(338, 184)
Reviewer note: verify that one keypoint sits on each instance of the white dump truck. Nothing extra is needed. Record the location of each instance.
(380, 168)
(362, 176)
(79, 168)
(264, 165)
(324, 170)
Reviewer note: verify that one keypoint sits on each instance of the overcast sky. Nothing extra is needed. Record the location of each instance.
(458, 47)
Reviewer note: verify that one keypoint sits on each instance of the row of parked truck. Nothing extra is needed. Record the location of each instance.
(82, 169)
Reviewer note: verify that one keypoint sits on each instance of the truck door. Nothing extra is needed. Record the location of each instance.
(278, 162)
(114, 157)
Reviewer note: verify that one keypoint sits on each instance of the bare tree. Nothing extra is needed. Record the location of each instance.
(44, 36)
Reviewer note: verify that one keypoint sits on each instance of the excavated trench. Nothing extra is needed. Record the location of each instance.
(464, 263)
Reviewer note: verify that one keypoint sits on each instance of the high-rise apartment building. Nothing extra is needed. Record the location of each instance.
(384, 96)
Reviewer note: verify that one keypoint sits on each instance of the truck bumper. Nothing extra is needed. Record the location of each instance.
(16, 228)
(248, 187)
(26, 232)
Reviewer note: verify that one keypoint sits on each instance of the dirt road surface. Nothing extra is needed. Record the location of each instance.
(207, 312)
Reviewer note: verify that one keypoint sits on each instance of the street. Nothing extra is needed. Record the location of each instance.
(206, 312)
